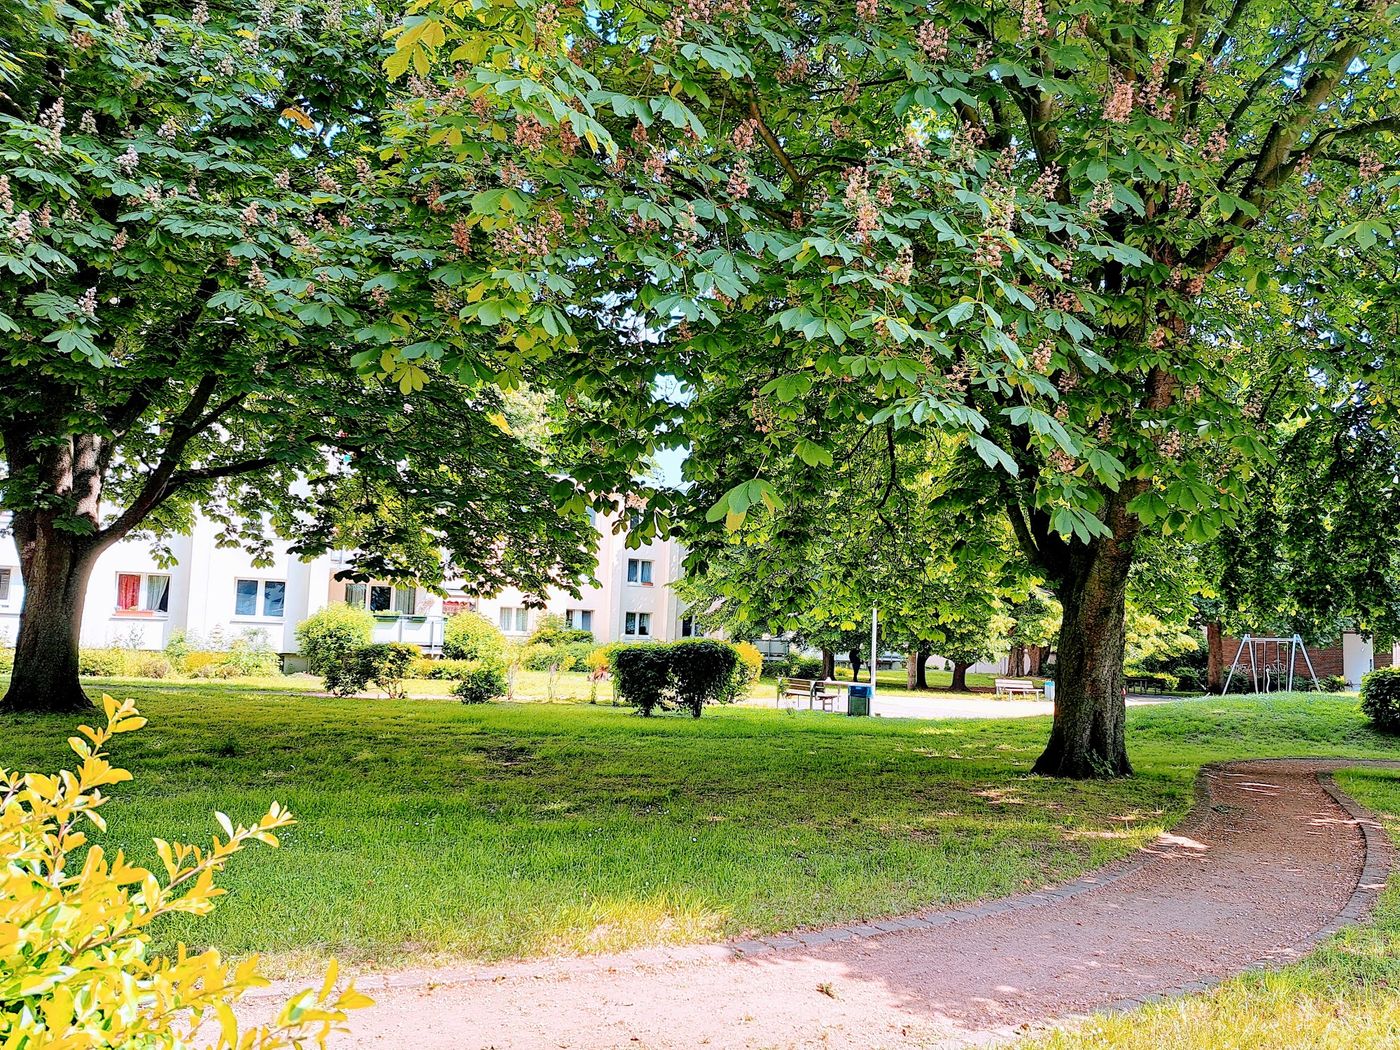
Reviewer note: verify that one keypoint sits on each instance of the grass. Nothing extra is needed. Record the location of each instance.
(435, 830)
(1345, 995)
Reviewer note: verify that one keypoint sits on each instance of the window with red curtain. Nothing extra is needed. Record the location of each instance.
(128, 590)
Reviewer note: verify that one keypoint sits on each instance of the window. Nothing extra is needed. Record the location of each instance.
(382, 599)
(273, 595)
(687, 626)
(578, 619)
(638, 624)
(4, 585)
(143, 592)
(638, 571)
(515, 621)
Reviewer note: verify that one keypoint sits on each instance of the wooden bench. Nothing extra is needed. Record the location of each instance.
(1144, 683)
(811, 690)
(1016, 686)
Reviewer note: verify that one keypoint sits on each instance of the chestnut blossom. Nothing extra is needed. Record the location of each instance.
(933, 41)
(128, 161)
(1118, 104)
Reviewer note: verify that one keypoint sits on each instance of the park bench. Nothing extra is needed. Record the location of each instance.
(1144, 683)
(811, 690)
(1016, 686)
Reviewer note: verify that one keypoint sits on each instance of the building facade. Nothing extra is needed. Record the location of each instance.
(212, 593)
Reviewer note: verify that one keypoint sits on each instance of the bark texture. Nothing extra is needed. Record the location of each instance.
(1087, 738)
(1215, 658)
(960, 677)
(56, 569)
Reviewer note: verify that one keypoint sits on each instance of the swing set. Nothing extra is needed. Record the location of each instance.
(1269, 667)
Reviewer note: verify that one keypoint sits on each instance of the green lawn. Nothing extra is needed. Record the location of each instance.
(1346, 995)
(432, 829)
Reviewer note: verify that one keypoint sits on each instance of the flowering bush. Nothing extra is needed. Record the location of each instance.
(76, 969)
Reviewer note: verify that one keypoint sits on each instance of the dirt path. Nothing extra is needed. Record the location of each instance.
(1271, 859)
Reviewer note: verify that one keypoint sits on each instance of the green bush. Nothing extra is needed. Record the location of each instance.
(441, 670)
(569, 656)
(551, 631)
(7, 660)
(249, 656)
(1189, 679)
(805, 667)
(101, 663)
(468, 636)
(1380, 698)
(1333, 683)
(685, 675)
(383, 665)
(483, 683)
(327, 635)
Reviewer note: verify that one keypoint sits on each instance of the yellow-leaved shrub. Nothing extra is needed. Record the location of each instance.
(76, 967)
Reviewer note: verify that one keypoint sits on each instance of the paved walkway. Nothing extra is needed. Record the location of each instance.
(1272, 859)
(974, 705)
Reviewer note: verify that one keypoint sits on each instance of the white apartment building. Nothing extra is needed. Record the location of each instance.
(213, 592)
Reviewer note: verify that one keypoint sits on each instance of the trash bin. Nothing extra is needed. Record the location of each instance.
(858, 700)
(1050, 690)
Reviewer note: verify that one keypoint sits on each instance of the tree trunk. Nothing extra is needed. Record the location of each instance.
(1215, 658)
(854, 656)
(1087, 739)
(1035, 656)
(828, 664)
(55, 568)
(1016, 661)
(911, 670)
(921, 671)
(960, 677)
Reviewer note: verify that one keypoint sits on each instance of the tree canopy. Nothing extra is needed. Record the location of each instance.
(1035, 228)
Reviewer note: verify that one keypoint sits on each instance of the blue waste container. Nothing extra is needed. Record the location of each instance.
(858, 700)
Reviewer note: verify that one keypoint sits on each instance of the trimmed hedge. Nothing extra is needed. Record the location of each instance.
(674, 675)
(1380, 698)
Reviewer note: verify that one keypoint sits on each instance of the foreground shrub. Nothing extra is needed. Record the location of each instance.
(326, 635)
(1380, 698)
(384, 666)
(483, 683)
(469, 636)
(76, 968)
(249, 656)
(686, 675)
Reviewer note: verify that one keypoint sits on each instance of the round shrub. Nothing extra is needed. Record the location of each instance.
(469, 636)
(483, 683)
(328, 634)
(1380, 698)
(686, 675)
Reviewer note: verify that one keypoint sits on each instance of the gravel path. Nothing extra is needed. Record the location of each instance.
(1271, 859)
